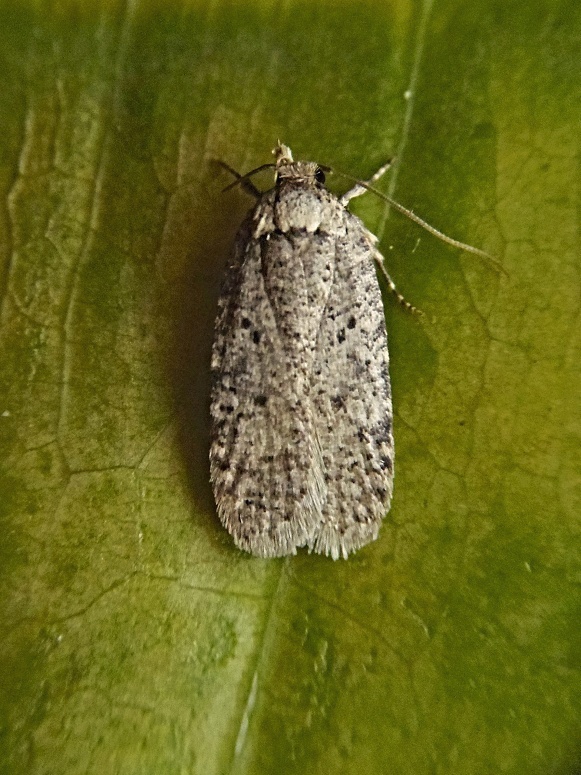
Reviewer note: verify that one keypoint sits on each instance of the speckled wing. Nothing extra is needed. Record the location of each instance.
(351, 397)
(302, 450)
(265, 458)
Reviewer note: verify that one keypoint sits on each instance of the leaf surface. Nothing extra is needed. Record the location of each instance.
(135, 638)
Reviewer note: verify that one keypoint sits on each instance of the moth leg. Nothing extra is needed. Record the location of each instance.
(249, 187)
(358, 189)
(378, 258)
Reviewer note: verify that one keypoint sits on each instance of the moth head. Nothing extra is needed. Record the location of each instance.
(305, 172)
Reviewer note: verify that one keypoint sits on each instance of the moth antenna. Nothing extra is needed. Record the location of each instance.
(244, 178)
(425, 225)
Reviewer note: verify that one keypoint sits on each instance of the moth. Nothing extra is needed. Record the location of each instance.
(302, 451)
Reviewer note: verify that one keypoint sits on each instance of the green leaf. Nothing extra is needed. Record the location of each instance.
(135, 637)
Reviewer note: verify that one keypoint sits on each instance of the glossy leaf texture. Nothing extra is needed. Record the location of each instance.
(135, 637)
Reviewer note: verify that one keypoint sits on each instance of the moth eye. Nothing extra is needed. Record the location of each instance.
(319, 175)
